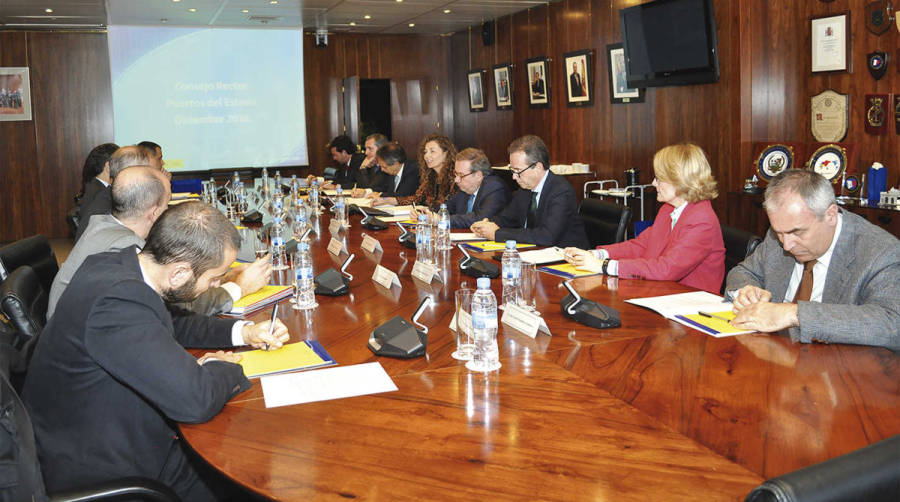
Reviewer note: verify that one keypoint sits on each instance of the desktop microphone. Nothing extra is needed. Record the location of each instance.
(334, 283)
(588, 312)
(398, 338)
(476, 267)
(407, 238)
(370, 222)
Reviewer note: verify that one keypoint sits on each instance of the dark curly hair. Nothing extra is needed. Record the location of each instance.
(444, 181)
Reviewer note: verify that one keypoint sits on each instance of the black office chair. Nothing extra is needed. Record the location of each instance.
(34, 251)
(329, 173)
(604, 222)
(73, 218)
(871, 473)
(23, 302)
(739, 244)
(21, 478)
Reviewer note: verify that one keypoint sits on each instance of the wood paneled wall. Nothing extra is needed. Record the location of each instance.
(41, 160)
(762, 95)
(420, 95)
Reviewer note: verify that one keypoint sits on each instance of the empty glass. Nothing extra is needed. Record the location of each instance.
(527, 282)
(465, 345)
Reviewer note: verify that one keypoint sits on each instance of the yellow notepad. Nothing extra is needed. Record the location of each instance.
(293, 356)
(565, 270)
(717, 325)
(493, 246)
(266, 295)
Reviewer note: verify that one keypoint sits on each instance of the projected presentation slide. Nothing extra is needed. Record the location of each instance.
(212, 98)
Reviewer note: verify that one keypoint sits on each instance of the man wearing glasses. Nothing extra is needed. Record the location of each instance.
(481, 195)
(544, 212)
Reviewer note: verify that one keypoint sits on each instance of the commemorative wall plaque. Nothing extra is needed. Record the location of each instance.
(877, 63)
(878, 17)
(877, 107)
(830, 116)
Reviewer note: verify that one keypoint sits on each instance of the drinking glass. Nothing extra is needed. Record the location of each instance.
(527, 282)
(465, 344)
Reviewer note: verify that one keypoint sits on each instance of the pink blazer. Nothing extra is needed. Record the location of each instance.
(692, 253)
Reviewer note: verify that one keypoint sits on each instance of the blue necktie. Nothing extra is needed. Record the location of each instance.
(471, 204)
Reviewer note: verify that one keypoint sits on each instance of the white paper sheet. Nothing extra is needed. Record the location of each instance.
(464, 237)
(325, 384)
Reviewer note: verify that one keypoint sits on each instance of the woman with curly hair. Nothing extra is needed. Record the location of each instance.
(684, 243)
(437, 156)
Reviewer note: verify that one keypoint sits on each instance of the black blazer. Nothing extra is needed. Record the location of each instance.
(110, 377)
(490, 200)
(347, 176)
(91, 189)
(558, 223)
(409, 181)
(101, 204)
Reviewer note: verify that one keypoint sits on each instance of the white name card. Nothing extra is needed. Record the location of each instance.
(335, 246)
(385, 277)
(465, 322)
(335, 226)
(425, 272)
(371, 244)
(523, 320)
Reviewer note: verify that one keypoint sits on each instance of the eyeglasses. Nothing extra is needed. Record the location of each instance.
(520, 171)
(458, 176)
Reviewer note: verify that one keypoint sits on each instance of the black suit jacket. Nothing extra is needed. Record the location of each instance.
(490, 200)
(110, 377)
(91, 189)
(347, 176)
(409, 181)
(101, 204)
(558, 223)
(369, 177)
(575, 84)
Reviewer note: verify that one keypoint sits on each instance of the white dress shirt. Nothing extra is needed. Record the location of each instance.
(820, 270)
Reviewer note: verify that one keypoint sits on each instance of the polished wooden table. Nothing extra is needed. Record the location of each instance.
(641, 412)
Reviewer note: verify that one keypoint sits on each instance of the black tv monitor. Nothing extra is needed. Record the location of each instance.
(670, 42)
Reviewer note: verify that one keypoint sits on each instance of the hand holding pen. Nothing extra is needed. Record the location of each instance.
(267, 335)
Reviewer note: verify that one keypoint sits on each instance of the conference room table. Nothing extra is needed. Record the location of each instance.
(646, 411)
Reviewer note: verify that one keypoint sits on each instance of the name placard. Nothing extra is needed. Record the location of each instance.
(425, 272)
(385, 277)
(335, 246)
(465, 322)
(371, 244)
(335, 226)
(523, 320)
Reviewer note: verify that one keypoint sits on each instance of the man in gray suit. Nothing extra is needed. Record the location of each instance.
(139, 196)
(824, 274)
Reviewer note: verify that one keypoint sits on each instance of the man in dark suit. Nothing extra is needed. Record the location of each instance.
(482, 195)
(369, 168)
(343, 151)
(110, 377)
(544, 212)
(95, 172)
(576, 82)
(399, 175)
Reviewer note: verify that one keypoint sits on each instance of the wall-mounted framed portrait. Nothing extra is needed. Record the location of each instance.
(503, 86)
(475, 80)
(619, 92)
(578, 69)
(538, 72)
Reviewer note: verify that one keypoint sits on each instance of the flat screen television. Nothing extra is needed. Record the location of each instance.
(670, 42)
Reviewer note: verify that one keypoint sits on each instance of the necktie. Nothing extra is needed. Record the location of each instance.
(532, 211)
(804, 290)
(396, 182)
(471, 204)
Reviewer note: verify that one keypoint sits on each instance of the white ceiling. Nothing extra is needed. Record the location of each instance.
(387, 16)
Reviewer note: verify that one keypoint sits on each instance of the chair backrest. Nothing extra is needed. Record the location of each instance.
(34, 251)
(739, 244)
(604, 222)
(329, 173)
(73, 218)
(24, 302)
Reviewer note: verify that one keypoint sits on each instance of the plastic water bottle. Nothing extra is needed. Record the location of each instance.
(423, 240)
(242, 205)
(278, 182)
(340, 208)
(299, 220)
(442, 239)
(512, 271)
(314, 199)
(304, 287)
(279, 260)
(235, 179)
(486, 356)
(295, 187)
(277, 205)
(265, 189)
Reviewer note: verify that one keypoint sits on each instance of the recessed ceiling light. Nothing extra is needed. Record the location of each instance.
(367, 17)
(163, 20)
(245, 11)
(192, 10)
(48, 11)
(399, 1)
(412, 24)
(352, 23)
(446, 11)
(273, 2)
(176, 1)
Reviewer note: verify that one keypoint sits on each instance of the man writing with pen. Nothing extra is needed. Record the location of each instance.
(110, 376)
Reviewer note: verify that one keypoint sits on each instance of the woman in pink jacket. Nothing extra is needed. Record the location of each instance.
(684, 244)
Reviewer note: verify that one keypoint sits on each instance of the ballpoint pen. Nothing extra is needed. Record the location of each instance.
(713, 316)
(272, 323)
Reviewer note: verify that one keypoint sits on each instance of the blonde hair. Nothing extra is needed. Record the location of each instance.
(686, 168)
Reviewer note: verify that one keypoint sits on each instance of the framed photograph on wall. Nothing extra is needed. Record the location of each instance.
(15, 94)
(830, 37)
(578, 70)
(619, 92)
(537, 70)
(475, 79)
(503, 86)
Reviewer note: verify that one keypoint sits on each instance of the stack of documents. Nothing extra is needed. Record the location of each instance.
(304, 355)
(492, 246)
(256, 301)
(465, 236)
(566, 270)
(700, 310)
(543, 256)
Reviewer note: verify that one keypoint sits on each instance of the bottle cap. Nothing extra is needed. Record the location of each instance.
(483, 282)
(443, 206)
(339, 191)
(422, 217)
(510, 244)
